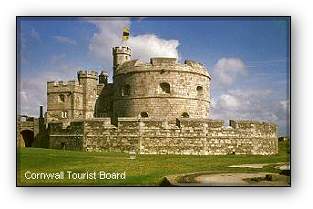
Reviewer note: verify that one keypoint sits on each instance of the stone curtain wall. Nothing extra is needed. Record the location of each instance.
(209, 137)
(183, 136)
(69, 136)
(100, 135)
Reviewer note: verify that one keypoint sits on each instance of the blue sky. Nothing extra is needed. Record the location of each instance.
(247, 57)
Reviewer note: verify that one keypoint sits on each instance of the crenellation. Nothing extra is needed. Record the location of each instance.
(51, 84)
(162, 61)
(121, 49)
(194, 64)
(149, 136)
(87, 73)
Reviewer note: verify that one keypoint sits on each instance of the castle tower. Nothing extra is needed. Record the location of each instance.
(103, 78)
(88, 81)
(162, 89)
(121, 54)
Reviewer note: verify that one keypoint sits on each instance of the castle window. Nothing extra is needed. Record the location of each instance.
(185, 115)
(144, 114)
(125, 90)
(165, 87)
(61, 98)
(78, 100)
(64, 114)
(200, 90)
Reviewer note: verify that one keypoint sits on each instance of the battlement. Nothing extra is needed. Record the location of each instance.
(122, 50)
(162, 64)
(87, 74)
(63, 126)
(196, 122)
(51, 84)
(160, 136)
(193, 63)
(163, 60)
(248, 124)
(192, 123)
(127, 122)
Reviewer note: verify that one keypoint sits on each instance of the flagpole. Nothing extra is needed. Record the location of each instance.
(125, 36)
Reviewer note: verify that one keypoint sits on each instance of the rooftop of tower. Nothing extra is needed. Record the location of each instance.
(163, 63)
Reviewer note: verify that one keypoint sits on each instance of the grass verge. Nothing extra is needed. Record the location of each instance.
(145, 170)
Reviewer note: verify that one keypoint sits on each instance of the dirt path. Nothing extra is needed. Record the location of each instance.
(260, 165)
(236, 179)
(242, 179)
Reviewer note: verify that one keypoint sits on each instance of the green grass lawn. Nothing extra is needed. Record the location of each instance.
(144, 170)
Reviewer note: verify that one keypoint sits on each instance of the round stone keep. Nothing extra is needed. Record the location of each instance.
(162, 88)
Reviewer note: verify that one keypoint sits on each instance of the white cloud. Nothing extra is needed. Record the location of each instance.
(229, 101)
(237, 100)
(108, 35)
(245, 104)
(65, 40)
(149, 45)
(33, 91)
(284, 104)
(227, 70)
(251, 104)
(143, 46)
(32, 94)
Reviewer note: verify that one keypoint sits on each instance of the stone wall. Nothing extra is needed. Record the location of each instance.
(101, 135)
(157, 136)
(68, 136)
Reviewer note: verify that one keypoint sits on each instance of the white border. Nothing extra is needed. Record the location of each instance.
(299, 195)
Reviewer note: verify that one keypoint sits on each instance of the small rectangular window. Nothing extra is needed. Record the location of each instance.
(64, 114)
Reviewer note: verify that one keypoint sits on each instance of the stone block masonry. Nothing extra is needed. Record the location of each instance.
(184, 136)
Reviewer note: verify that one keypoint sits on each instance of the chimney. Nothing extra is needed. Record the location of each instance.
(41, 111)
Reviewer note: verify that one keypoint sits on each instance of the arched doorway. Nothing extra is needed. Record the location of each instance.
(28, 137)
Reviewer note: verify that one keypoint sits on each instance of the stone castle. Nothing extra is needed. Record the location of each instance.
(160, 107)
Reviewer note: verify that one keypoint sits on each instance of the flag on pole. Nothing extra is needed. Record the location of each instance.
(125, 34)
